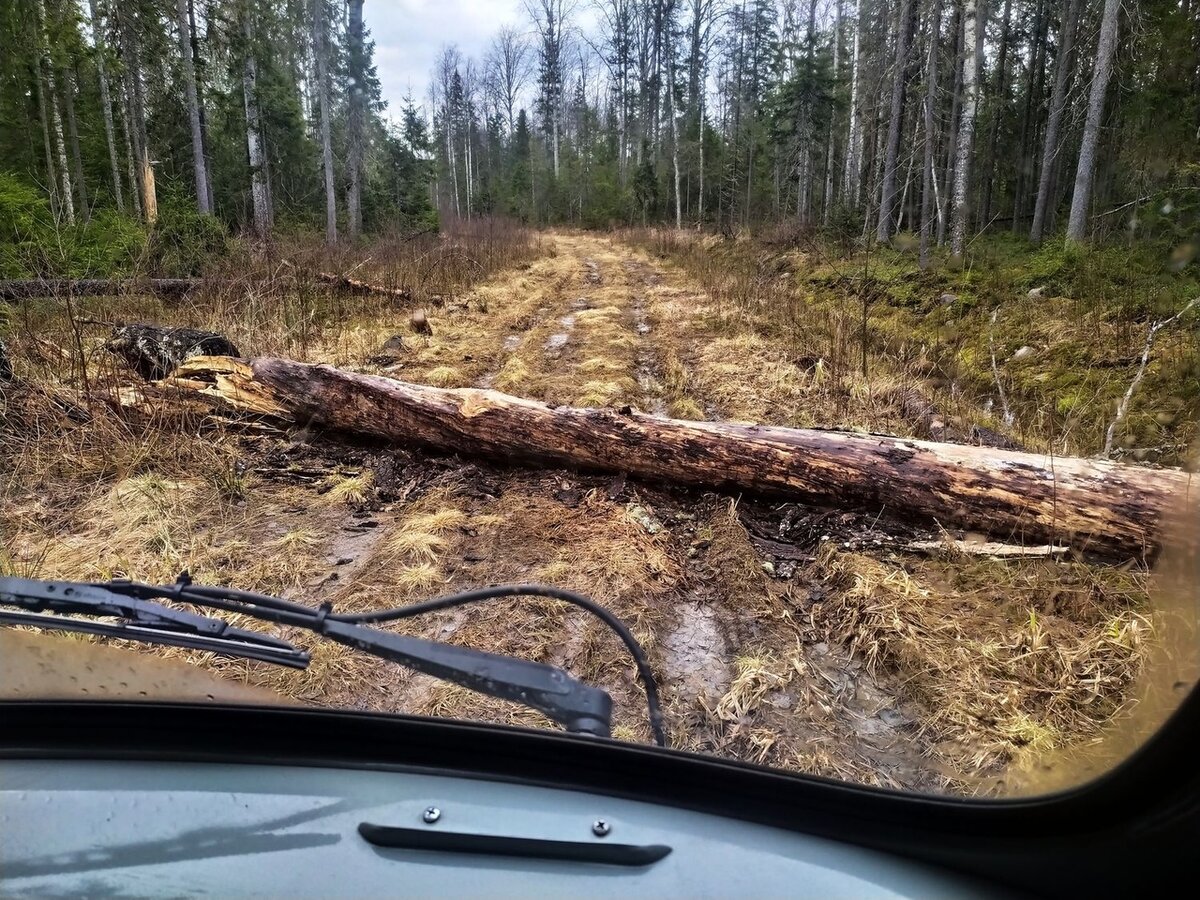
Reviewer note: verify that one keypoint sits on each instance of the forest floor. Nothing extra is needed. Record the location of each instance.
(809, 639)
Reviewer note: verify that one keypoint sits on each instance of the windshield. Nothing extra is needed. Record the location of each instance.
(847, 352)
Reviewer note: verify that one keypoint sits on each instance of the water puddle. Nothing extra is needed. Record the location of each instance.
(696, 651)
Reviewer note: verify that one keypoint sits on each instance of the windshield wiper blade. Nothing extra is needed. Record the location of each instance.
(579, 707)
(143, 620)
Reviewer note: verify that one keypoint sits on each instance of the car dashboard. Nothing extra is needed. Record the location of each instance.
(145, 828)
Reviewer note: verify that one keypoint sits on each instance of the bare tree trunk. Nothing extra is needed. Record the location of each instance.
(321, 53)
(966, 131)
(130, 155)
(199, 166)
(65, 198)
(355, 120)
(66, 201)
(955, 102)
(1028, 134)
(68, 82)
(1077, 225)
(1058, 105)
(674, 136)
(452, 160)
(928, 175)
(47, 147)
(827, 200)
(999, 105)
(198, 63)
(143, 175)
(853, 175)
(700, 141)
(887, 196)
(254, 141)
(106, 104)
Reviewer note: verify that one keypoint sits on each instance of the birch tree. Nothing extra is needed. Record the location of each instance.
(260, 196)
(852, 179)
(966, 129)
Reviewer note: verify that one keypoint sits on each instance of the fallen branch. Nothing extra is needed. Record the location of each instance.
(354, 286)
(993, 549)
(1008, 416)
(1123, 408)
(1098, 506)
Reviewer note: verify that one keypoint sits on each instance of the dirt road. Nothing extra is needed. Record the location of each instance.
(792, 636)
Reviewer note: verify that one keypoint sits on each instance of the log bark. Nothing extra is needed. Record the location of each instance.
(354, 286)
(1091, 505)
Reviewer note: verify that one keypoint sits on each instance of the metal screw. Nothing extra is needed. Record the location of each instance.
(431, 815)
(600, 828)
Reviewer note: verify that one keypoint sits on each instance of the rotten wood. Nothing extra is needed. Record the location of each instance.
(355, 286)
(1016, 497)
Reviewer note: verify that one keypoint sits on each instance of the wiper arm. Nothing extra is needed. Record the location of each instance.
(579, 707)
(143, 620)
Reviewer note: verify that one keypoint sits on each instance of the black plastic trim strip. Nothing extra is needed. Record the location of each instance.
(398, 838)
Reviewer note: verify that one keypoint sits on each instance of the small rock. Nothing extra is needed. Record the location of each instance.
(1036, 293)
(419, 323)
(1023, 353)
(948, 299)
(639, 515)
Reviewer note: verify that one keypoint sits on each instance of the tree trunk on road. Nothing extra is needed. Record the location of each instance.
(1094, 505)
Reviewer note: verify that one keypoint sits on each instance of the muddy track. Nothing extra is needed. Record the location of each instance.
(700, 586)
(797, 637)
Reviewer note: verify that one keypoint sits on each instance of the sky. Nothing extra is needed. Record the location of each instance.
(409, 35)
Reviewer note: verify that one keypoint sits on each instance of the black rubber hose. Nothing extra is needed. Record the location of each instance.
(535, 590)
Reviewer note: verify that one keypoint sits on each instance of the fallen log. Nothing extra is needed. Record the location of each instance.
(1091, 505)
(26, 289)
(354, 286)
(154, 351)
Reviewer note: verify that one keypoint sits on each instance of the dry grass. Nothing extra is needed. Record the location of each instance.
(985, 666)
(1008, 660)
